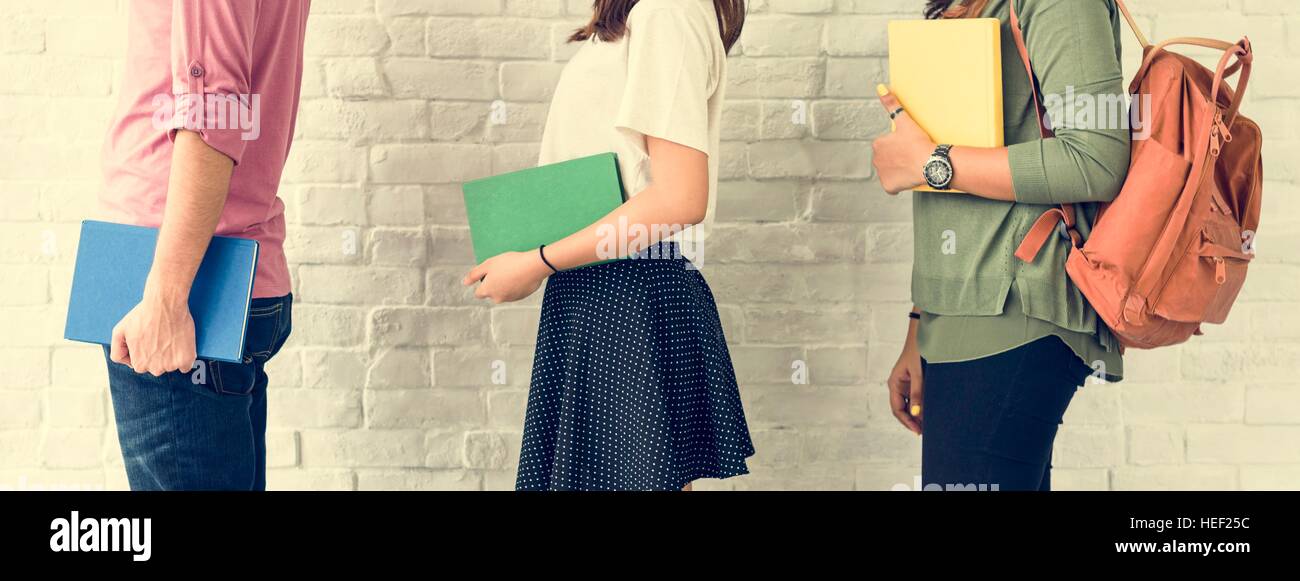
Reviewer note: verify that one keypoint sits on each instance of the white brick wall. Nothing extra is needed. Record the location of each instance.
(387, 382)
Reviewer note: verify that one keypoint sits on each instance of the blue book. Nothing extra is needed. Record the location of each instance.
(113, 261)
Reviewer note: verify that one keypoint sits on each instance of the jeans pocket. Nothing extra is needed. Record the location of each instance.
(263, 338)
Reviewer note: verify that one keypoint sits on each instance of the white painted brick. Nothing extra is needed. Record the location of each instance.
(388, 378)
(400, 369)
(845, 36)
(491, 450)
(333, 369)
(392, 247)
(1158, 444)
(1168, 478)
(529, 81)
(423, 408)
(396, 206)
(281, 449)
(358, 285)
(1270, 477)
(1082, 479)
(782, 36)
(507, 408)
(345, 36)
(1088, 446)
(327, 326)
(429, 79)
(28, 368)
(314, 408)
(394, 164)
(22, 35)
(428, 326)
(480, 368)
(362, 448)
(323, 162)
(20, 409)
(299, 479)
(71, 447)
(406, 36)
(820, 478)
(76, 408)
(1228, 443)
(418, 480)
(1272, 404)
(486, 38)
(328, 205)
(438, 7)
(534, 8)
(1183, 402)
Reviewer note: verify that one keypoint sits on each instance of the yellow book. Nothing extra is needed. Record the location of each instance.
(948, 75)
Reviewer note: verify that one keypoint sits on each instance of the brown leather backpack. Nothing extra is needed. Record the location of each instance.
(1171, 251)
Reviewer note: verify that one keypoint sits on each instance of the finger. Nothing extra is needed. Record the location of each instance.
(916, 397)
(898, 405)
(117, 351)
(174, 365)
(897, 399)
(476, 274)
(481, 292)
(908, 421)
(887, 99)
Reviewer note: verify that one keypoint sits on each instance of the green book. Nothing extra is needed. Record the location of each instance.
(525, 209)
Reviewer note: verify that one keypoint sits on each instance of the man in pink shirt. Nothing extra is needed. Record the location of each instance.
(196, 148)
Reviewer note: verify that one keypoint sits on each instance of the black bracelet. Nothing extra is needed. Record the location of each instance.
(914, 315)
(542, 253)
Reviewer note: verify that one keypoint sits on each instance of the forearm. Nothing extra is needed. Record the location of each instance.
(913, 323)
(983, 172)
(196, 194)
(655, 213)
(678, 198)
(1081, 177)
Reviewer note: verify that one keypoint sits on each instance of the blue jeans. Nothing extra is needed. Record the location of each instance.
(206, 429)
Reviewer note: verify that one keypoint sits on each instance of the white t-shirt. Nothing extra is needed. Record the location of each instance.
(665, 78)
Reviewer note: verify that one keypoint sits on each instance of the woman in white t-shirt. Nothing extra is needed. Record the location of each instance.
(632, 386)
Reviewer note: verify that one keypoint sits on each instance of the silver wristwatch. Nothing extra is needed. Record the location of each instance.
(938, 170)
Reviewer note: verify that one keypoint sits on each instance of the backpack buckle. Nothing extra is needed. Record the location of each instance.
(1069, 234)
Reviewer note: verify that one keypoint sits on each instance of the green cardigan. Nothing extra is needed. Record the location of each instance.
(964, 270)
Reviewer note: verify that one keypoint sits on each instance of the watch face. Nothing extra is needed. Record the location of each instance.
(938, 174)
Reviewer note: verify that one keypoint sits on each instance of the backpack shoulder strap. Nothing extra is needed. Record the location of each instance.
(1047, 223)
(1018, 32)
(1133, 25)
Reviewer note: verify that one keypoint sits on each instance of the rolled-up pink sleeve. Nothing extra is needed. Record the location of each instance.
(211, 68)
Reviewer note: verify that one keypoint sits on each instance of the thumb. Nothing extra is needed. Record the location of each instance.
(888, 100)
(476, 274)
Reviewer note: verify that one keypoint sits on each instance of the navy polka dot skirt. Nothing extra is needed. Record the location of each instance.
(632, 385)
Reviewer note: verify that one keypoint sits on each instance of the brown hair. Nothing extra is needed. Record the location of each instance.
(935, 9)
(609, 21)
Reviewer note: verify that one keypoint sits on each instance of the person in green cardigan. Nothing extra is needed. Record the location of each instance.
(996, 347)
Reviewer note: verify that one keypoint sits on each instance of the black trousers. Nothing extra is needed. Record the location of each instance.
(989, 424)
